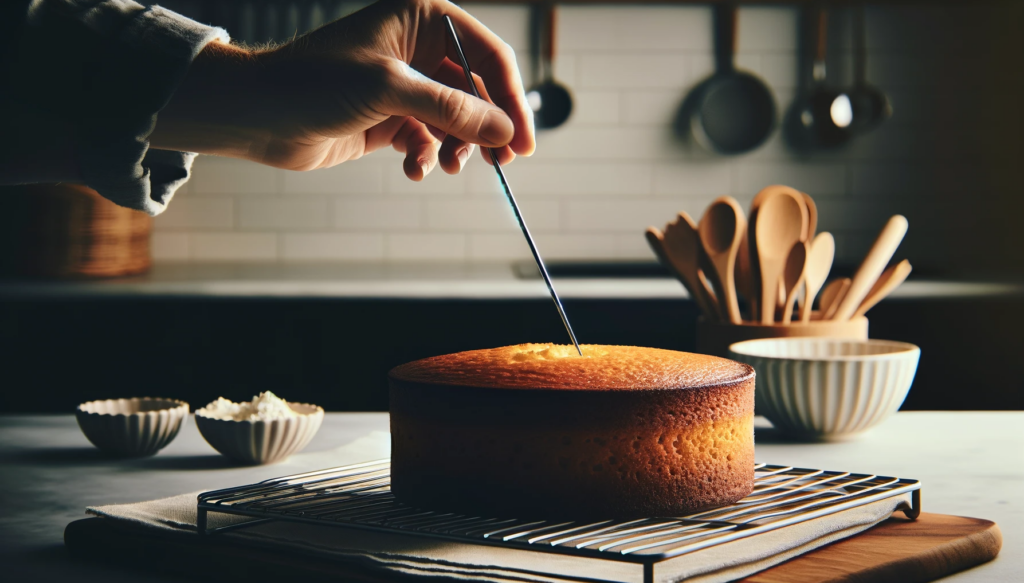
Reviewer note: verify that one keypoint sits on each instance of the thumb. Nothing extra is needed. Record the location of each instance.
(450, 110)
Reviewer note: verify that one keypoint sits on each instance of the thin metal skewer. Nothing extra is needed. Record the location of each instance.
(508, 192)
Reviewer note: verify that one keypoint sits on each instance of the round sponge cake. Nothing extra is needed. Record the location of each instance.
(537, 430)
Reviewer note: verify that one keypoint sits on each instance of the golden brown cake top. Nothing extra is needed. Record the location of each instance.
(559, 367)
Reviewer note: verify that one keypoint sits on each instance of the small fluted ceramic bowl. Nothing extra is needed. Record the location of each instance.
(822, 389)
(261, 442)
(132, 427)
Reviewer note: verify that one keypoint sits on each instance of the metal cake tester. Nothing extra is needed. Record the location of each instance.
(508, 191)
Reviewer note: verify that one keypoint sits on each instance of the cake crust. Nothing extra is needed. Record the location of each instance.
(489, 439)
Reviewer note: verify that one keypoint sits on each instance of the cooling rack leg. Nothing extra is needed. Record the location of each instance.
(915, 505)
(648, 572)
(201, 521)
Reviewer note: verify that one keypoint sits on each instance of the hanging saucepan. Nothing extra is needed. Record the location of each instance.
(550, 100)
(734, 111)
(821, 116)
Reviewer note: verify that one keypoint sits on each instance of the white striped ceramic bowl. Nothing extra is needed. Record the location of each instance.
(132, 427)
(828, 388)
(262, 442)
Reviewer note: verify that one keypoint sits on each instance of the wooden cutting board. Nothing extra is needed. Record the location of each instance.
(897, 550)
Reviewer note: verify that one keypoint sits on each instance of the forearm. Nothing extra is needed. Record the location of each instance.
(220, 107)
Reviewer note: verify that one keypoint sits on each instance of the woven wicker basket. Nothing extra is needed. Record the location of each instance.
(70, 231)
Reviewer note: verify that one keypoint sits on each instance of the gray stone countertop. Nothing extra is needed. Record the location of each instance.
(970, 464)
(424, 280)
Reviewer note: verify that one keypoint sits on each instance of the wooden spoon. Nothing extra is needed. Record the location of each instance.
(781, 222)
(793, 277)
(721, 233)
(832, 295)
(751, 246)
(819, 263)
(872, 266)
(890, 279)
(679, 248)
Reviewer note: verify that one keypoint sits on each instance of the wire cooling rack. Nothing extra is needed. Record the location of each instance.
(359, 496)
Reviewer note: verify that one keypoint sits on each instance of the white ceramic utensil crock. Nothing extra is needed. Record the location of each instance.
(132, 427)
(828, 388)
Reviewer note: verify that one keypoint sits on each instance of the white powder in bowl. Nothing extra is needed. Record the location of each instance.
(265, 407)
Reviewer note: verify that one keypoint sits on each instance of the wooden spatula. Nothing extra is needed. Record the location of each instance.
(890, 279)
(872, 266)
(819, 263)
(832, 295)
(679, 248)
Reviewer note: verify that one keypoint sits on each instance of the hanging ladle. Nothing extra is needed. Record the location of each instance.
(822, 116)
(550, 101)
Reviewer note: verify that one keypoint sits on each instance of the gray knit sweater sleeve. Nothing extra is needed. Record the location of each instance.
(83, 81)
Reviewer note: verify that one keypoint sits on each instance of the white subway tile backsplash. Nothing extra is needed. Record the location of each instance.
(377, 213)
(429, 246)
(233, 246)
(197, 213)
(437, 182)
(570, 178)
(213, 175)
(770, 28)
(169, 246)
(607, 144)
(634, 246)
(780, 71)
(654, 28)
(493, 214)
(595, 108)
(333, 246)
(498, 246)
(814, 179)
(509, 22)
(618, 166)
(611, 71)
(655, 107)
(635, 216)
(578, 246)
(694, 179)
(363, 176)
(309, 213)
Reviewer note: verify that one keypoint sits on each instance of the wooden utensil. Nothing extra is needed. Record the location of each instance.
(679, 248)
(832, 295)
(872, 266)
(819, 263)
(751, 245)
(721, 233)
(793, 277)
(812, 217)
(745, 275)
(781, 222)
(890, 279)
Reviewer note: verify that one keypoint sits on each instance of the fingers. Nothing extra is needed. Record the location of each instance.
(494, 61)
(450, 110)
(451, 75)
(420, 149)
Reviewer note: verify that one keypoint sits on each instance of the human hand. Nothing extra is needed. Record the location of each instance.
(386, 75)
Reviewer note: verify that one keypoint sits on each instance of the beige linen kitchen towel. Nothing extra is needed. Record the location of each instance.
(411, 555)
